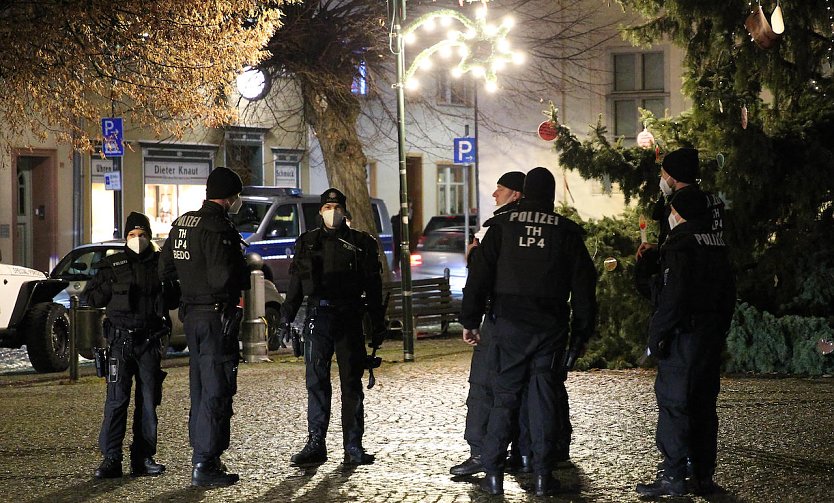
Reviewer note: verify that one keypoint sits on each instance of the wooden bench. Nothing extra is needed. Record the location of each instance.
(431, 303)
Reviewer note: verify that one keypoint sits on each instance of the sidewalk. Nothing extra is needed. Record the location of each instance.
(775, 441)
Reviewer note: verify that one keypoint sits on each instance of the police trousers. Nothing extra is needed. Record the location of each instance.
(686, 387)
(328, 331)
(213, 360)
(479, 399)
(526, 357)
(142, 363)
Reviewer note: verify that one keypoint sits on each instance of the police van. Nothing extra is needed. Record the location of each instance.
(271, 219)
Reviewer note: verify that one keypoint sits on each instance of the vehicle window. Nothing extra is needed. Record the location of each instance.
(444, 241)
(284, 222)
(311, 215)
(80, 267)
(377, 218)
(248, 219)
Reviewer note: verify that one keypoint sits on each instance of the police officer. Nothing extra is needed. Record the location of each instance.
(333, 267)
(479, 400)
(687, 333)
(128, 285)
(532, 262)
(204, 251)
(680, 171)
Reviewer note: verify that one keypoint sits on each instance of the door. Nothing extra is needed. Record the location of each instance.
(36, 209)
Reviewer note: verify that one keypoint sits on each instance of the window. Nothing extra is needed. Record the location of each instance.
(639, 82)
(245, 154)
(450, 190)
(248, 219)
(453, 91)
(287, 166)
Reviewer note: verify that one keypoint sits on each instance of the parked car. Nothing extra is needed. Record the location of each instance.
(271, 219)
(442, 249)
(76, 268)
(29, 316)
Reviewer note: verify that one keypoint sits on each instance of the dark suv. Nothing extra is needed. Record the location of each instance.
(272, 218)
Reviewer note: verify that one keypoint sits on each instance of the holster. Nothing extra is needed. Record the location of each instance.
(297, 343)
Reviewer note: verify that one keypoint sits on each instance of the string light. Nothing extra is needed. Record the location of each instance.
(482, 47)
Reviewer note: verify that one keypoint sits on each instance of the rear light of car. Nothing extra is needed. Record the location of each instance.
(416, 259)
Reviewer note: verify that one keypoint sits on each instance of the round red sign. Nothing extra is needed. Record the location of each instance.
(547, 131)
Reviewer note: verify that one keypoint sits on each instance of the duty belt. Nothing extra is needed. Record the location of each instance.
(335, 304)
(217, 307)
(130, 332)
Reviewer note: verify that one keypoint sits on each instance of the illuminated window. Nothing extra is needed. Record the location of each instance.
(450, 189)
(454, 91)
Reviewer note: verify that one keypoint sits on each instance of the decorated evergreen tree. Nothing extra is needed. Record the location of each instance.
(762, 119)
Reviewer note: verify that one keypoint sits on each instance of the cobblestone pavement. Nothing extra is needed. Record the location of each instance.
(775, 442)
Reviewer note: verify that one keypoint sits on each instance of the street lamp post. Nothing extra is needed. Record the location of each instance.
(484, 50)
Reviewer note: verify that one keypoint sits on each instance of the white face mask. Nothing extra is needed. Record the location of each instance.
(138, 244)
(665, 188)
(333, 217)
(673, 222)
(235, 207)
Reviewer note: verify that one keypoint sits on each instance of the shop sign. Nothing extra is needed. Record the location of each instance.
(176, 173)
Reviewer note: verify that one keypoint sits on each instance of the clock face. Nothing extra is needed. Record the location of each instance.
(251, 84)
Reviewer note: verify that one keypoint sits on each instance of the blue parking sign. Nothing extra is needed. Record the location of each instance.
(464, 151)
(112, 134)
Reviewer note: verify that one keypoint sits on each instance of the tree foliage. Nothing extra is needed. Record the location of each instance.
(776, 176)
(163, 64)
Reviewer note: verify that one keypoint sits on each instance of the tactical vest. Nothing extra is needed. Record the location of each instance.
(136, 292)
(529, 260)
(332, 267)
(190, 234)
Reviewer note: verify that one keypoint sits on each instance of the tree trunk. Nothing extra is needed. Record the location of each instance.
(333, 119)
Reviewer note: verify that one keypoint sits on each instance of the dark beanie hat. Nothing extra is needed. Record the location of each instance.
(222, 183)
(539, 185)
(690, 204)
(332, 195)
(513, 180)
(682, 165)
(137, 221)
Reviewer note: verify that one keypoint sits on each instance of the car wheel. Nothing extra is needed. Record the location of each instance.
(47, 329)
(273, 323)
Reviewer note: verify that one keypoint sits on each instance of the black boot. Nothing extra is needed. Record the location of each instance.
(146, 466)
(469, 467)
(357, 456)
(313, 453)
(705, 486)
(546, 485)
(212, 474)
(110, 468)
(663, 486)
(493, 483)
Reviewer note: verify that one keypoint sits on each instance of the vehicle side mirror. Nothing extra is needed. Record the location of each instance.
(79, 266)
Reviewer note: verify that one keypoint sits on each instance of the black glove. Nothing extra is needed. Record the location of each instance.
(378, 335)
(659, 345)
(284, 333)
(576, 350)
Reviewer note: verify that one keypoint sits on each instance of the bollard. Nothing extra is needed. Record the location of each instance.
(254, 324)
(73, 337)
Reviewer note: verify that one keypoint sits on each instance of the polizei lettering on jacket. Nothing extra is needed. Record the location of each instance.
(710, 239)
(533, 233)
(180, 239)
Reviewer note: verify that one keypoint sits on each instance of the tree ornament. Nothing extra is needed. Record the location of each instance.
(759, 29)
(645, 139)
(743, 116)
(777, 21)
(719, 160)
(720, 106)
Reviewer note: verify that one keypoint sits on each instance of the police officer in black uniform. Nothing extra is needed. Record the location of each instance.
(128, 285)
(333, 267)
(479, 400)
(680, 171)
(531, 263)
(687, 333)
(204, 251)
